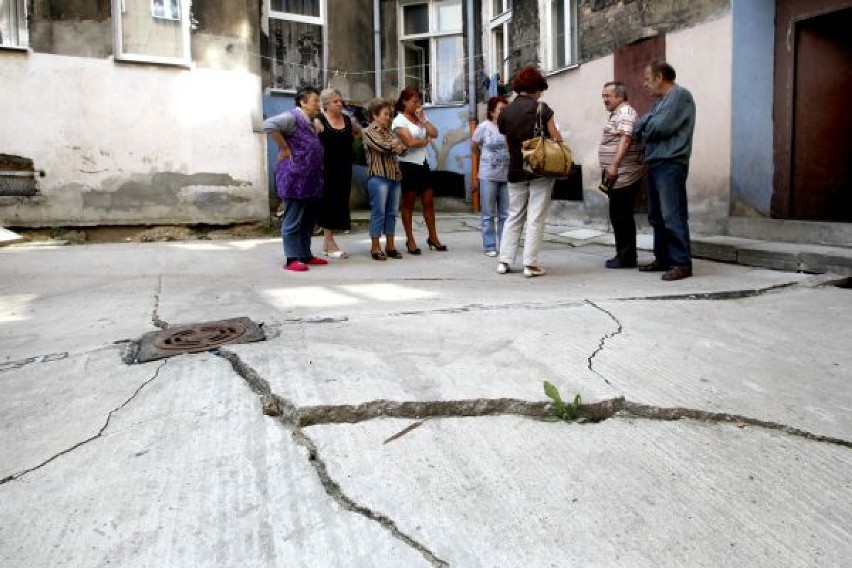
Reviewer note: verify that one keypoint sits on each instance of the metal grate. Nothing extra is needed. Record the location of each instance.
(194, 338)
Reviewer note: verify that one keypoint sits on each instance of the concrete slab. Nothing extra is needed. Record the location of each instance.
(189, 473)
(778, 357)
(460, 355)
(721, 248)
(48, 406)
(514, 492)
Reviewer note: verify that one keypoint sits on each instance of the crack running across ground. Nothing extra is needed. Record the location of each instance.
(289, 415)
(296, 419)
(602, 343)
(100, 432)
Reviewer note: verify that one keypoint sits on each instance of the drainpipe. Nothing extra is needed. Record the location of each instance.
(377, 48)
(471, 98)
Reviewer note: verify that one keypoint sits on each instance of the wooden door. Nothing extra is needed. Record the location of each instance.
(822, 119)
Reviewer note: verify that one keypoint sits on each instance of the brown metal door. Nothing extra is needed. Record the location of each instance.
(630, 62)
(822, 119)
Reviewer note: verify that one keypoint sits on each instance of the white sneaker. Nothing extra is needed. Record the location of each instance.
(491, 253)
(530, 271)
(503, 268)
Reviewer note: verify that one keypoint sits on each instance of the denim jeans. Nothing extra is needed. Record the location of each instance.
(529, 202)
(494, 200)
(667, 212)
(384, 205)
(297, 226)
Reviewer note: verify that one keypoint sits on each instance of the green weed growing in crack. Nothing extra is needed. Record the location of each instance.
(562, 411)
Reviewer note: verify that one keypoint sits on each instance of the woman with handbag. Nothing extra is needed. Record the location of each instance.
(529, 195)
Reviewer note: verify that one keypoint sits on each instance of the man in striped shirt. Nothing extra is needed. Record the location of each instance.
(620, 157)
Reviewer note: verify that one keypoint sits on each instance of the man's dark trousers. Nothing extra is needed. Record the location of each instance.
(622, 203)
(667, 212)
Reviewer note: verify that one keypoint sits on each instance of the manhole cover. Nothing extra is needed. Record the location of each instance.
(200, 337)
(195, 338)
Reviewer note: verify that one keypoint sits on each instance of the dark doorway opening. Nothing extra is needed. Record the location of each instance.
(814, 155)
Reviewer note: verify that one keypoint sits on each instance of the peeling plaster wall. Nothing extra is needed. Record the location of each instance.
(702, 57)
(132, 144)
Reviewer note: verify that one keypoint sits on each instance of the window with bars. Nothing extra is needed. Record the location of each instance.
(432, 54)
(296, 43)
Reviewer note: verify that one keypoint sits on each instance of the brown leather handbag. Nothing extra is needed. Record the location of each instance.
(544, 156)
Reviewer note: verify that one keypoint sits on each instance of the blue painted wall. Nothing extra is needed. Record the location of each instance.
(274, 104)
(752, 129)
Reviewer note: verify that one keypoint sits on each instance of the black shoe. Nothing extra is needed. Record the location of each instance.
(393, 253)
(616, 262)
(433, 245)
(655, 266)
(411, 250)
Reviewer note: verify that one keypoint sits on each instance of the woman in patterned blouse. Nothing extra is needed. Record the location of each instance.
(382, 147)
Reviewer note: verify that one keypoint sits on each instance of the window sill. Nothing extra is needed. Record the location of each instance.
(455, 104)
(16, 49)
(145, 60)
(561, 70)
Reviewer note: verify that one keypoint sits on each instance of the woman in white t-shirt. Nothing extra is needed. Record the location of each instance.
(492, 181)
(416, 131)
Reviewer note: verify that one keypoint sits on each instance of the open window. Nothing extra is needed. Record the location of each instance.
(152, 31)
(432, 49)
(559, 25)
(13, 23)
(296, 43)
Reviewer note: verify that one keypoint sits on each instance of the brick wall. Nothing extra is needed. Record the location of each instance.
(606, 25)
(525, 36)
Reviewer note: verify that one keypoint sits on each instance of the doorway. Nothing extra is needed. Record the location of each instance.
(814, 151)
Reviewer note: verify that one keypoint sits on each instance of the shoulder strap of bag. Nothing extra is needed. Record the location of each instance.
(538, 131)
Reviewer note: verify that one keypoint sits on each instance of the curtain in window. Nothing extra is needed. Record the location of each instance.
(450, 67)
(296, 54)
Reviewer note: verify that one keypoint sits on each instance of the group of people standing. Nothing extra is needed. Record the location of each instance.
(314, 172)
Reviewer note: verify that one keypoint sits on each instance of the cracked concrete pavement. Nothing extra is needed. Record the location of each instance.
(396, 417)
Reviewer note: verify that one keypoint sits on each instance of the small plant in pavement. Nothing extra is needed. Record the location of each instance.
(562, 411)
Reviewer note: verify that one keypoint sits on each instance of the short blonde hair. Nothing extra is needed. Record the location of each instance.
(327, 94)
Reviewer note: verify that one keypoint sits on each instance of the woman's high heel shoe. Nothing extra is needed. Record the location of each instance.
(436, 246)
(411, 250)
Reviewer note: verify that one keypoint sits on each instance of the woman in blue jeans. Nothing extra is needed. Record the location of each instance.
(490, 144)
(382, 147)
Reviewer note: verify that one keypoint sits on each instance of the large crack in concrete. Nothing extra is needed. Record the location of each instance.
(296, 418)
(99, 433)
(290, 416)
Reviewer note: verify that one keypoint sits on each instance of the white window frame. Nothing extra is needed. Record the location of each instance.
(301, 19)
(432, 36)
(118, 41)
(548, 49)
(16, 14)
(500, 22)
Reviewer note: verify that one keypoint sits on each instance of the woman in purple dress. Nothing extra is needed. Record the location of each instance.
(298, 176)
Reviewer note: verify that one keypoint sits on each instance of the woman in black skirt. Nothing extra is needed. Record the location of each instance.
(337, 133)
(416, 132)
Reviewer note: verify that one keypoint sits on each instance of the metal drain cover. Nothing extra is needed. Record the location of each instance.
(196, 338)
